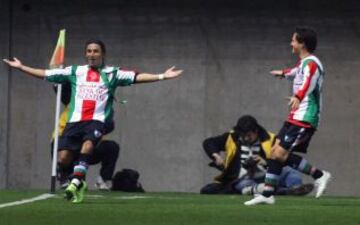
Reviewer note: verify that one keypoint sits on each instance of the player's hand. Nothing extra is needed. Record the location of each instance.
(15, 63)
(218, 159)
(294, 102)
(277, 73)
(172, 73)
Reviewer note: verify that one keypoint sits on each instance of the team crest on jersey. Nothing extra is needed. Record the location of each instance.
(97, 133)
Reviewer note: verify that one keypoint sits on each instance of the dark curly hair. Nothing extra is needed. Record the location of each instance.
(307, 36)
(98, 42)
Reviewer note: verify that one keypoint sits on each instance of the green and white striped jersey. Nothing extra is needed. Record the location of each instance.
(307, 76)
(92, 90)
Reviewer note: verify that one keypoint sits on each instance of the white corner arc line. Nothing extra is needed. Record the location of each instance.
(25, 201)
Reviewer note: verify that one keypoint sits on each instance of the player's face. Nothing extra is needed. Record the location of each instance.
(94, 55)
(296, 46)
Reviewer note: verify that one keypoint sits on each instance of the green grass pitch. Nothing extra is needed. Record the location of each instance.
(118, 208)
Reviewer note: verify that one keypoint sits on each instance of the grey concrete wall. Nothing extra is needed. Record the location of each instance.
(4, 92)
(226, 51)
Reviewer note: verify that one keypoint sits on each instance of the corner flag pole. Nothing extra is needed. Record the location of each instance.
(57, 61)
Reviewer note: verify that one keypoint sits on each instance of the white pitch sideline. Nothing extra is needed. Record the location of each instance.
(25, 201)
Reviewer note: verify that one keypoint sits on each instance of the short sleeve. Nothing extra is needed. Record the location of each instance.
(125, 77)
(59, 75)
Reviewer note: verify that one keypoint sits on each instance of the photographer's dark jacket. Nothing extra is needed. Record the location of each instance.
(230, 143)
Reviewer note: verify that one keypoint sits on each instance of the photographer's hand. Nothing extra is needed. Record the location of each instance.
(259, 160)
(218, 159)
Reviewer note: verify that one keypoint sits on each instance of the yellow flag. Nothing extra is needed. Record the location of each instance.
(57, 59)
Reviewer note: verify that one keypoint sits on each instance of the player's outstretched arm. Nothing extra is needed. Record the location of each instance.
(17, 64)
(288, 73)
(277, 73)
(170, 73)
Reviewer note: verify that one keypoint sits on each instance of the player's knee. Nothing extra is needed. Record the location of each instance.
(64, 160)
(279, 154)
(87, 147)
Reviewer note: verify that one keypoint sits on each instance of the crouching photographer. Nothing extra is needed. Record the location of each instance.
(243, 166)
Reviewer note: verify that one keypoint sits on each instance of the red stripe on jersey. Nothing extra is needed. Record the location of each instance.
(288, 71)
(88, 109)
(299, 123)
(291, 120)
(302, 92)
(93, 75)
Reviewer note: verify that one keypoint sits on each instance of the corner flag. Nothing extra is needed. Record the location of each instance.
(57, 61)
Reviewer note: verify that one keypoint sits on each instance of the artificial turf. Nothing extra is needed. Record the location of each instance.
(118, 208)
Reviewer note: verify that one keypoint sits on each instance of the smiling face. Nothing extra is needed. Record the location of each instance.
(296, 45)
(94, 55)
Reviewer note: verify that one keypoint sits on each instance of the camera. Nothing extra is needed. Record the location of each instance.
(249, 163)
